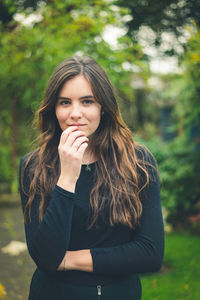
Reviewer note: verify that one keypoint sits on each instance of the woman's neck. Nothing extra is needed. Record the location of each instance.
(88, 157)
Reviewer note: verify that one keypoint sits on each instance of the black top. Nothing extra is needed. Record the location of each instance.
(117, 251)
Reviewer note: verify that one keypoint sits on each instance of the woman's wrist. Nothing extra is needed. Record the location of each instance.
(67, 184)
(80, 260)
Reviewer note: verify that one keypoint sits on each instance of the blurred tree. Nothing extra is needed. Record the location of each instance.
(169, 16)
(179, 160)
(8, 8)
(29, 53)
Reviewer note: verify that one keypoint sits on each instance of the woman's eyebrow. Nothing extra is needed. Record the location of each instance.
(87, 97)
(64, 98)
(83, 97)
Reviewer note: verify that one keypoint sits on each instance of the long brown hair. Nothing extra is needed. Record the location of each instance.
(117, 180)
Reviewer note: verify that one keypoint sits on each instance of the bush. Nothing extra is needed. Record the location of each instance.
(180, 180)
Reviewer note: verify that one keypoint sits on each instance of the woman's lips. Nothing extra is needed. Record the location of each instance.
(77, 125)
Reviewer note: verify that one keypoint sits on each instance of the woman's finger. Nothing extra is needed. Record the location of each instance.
(65, 134)
(82, 148)
(78, 141)
(73, 136)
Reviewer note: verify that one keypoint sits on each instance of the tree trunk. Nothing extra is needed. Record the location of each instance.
(140, 107)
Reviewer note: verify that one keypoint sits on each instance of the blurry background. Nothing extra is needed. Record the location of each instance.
(151, 51)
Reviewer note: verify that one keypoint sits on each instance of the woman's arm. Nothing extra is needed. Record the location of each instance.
(143, 254)
(80, 260)
(48, 240)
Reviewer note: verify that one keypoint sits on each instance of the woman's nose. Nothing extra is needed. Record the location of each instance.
(76, 111)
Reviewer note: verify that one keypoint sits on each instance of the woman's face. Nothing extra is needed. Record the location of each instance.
(76, 106)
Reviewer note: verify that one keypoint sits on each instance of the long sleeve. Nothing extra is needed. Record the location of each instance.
(144, 253)
(48, 240)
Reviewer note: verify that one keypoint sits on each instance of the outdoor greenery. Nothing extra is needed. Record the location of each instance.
(166, 119)
(29, 54)
(179, 276)
(35, 36)
(179, 158)
(166, 16)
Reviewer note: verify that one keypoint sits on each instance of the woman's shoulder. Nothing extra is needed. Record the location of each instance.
(144, 155)
(147, 163)
(27, 161)
(26, 169)
(28, 157)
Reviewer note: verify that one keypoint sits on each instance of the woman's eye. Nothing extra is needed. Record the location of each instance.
(64, 102)
(88, 101)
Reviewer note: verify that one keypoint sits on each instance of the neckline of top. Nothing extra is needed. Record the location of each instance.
(88, 167)
(92, 163)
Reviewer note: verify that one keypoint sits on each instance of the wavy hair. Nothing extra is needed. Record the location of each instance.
(117, 179)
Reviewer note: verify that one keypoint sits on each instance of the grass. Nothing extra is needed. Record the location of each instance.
(179, 277)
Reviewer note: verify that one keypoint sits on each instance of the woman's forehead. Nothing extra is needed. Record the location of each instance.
(76, 87)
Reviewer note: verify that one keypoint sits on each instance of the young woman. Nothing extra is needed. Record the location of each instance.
(90, 194)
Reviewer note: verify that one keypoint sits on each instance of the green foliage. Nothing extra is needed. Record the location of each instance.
(8, 8)
(190, 84)
(162, 16)
(29, 54)
(179, 159)
(180, 183)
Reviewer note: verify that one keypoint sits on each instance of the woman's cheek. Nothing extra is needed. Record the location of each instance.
(61, 115)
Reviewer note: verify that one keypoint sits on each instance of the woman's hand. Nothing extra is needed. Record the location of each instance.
(80, 260)
(71, 148)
